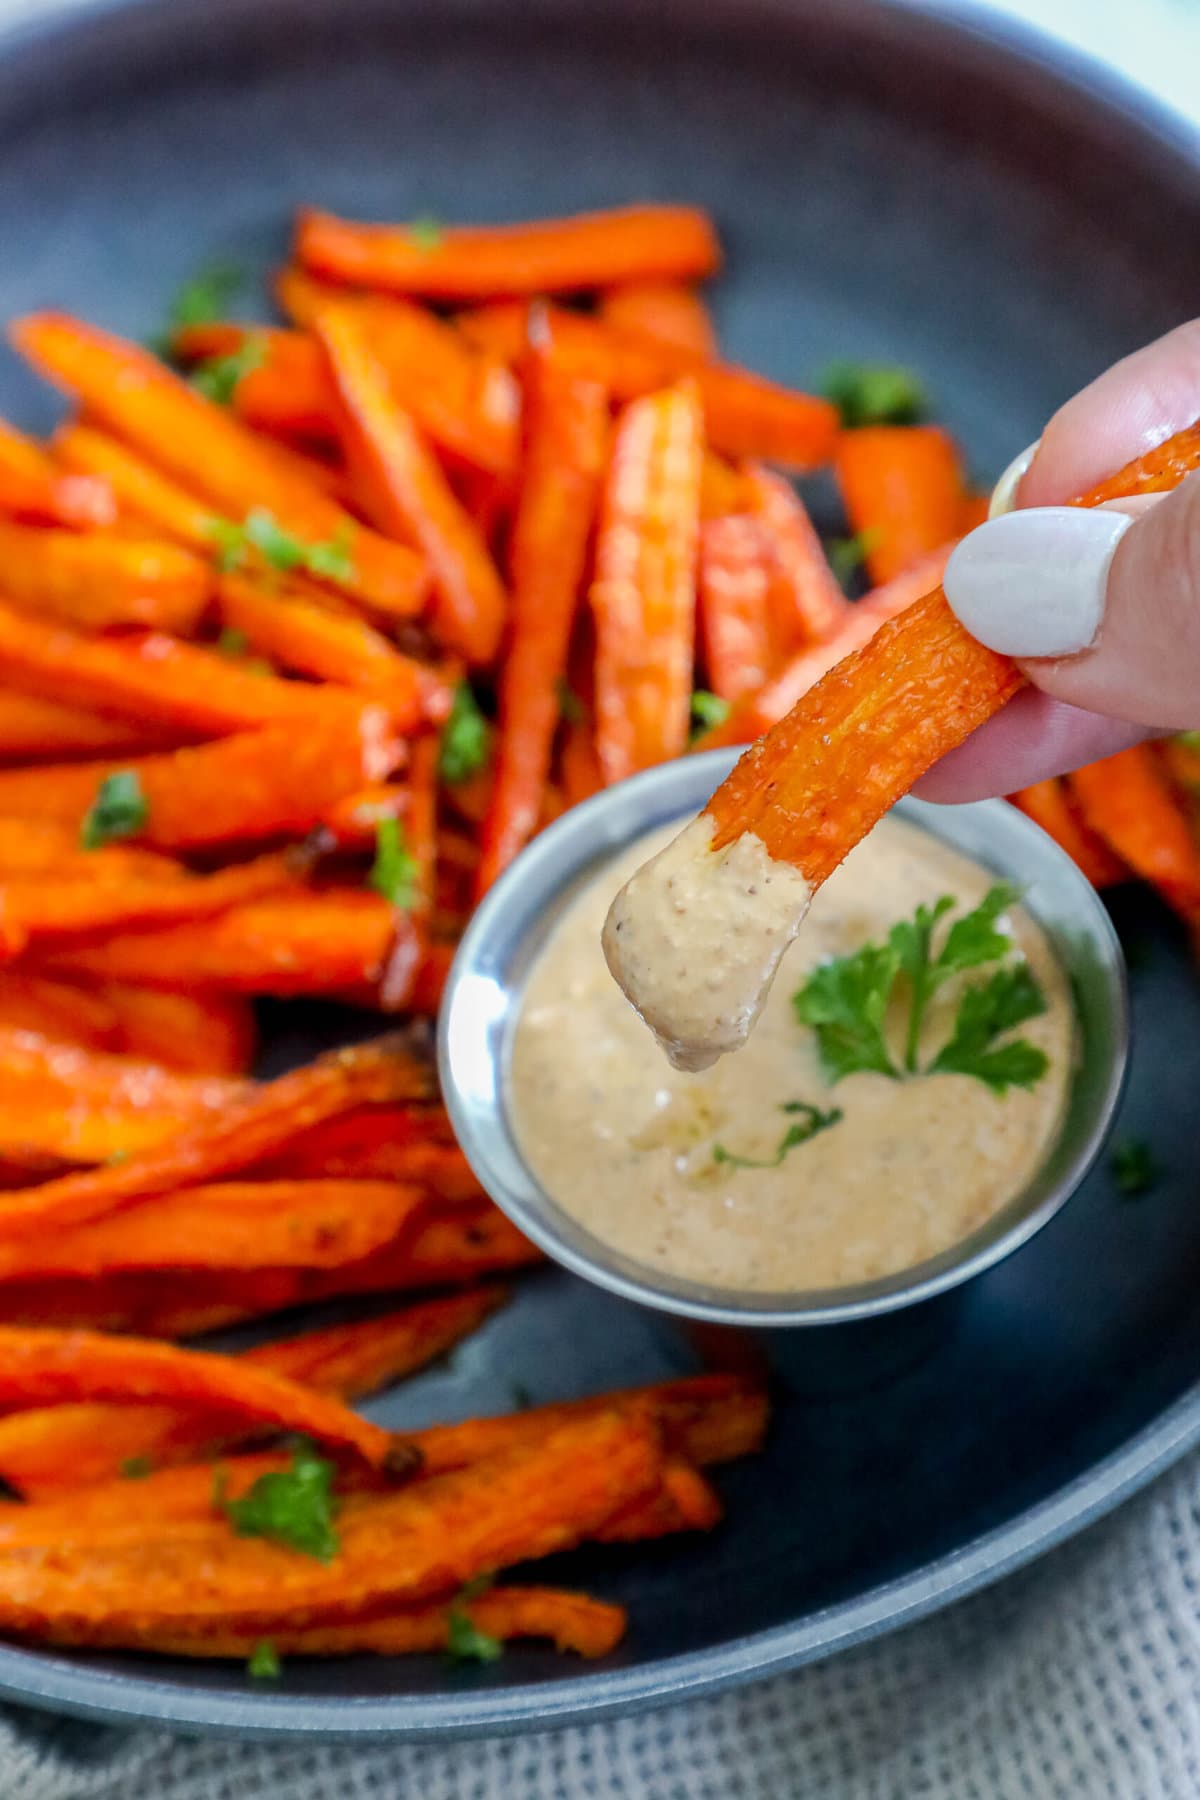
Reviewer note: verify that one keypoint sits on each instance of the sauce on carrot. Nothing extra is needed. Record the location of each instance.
(625, 1143)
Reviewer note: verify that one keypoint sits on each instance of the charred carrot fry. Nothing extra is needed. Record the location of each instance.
(579, 765)
(405, 491)
(134, 396)
(667, 312)
(93, 580)
(44, 913)
(45, 1367)
(1129, 802)
(744, 414)
(643, 594)
(349, 1361)
(201, 1035)
(364, 1142)
(734, 593)
(34, 729)
(807, 604)
(246, 1132)
(86, 1105)
(902, 487)
(1048, 804)
(566, 427)
(635, 243)
(686, 1501)
(312, 943)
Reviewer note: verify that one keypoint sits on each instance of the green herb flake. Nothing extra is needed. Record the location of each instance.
(136, 1468)
(708, 711)
(229, 541)
(874, 393)
(465, 738)
(219, 377)
(464, 1640)
(232, 642)
(847, 555)
(294, 1507)
(395, 872)
(278, 547)
(426, 233)
(333, 560)
(263, 1663)
(1135, 1169)
(120, 810)
(811, 1121)
(207, 296)
(845, 1001)
(986, 1010)
(570, 706)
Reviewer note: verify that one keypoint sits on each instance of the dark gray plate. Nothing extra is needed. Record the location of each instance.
(890, 186)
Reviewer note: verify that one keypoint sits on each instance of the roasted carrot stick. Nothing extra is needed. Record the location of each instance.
(365, 1141)
(579, 765)
(353, 822)
(721, 489)
(351, 1360)
(133, 395)
(318, 943)
(285, 389)
(1129, 802)
(902, 487)
(72, 502)
(200, 1034)
(94, 580)
(1049, 804)
(247, 1131)
(46, 1367)
(405, 491)
(45, 913)
(744, 414)
(566, 433)
(686, 1501)
(643, 594)
(807, 605)
(634, 243)
(256, 785)
(142, 491)
(734, 591)
(33, 729)
(20, 455)
(665, 311)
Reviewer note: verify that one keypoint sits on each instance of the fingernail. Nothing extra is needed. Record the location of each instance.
(1004, 494)
(1032, 582)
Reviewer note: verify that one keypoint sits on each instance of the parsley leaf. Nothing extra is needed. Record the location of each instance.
(708, 711)
(334, 559)
(1134, 1166)
(218, 377)
(846, 555)
(263, 1663)
(973, 939)
(206, 296)
(813, 1121)
(293, 1506)
(276, 546)
(912, 941)
(426, 232)
(119, 810)
(232, 642)
(280, 549)
(570, 706)
(394, 873)
(464, 745)
(874, 393)
(464, 1640)
(136, 1468)
(845, 1002)
(987, 1009)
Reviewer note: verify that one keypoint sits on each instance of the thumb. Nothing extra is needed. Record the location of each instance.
(1101, 608)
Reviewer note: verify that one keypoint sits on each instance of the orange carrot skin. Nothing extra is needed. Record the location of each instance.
(95, 581)
(199, 1035)
(635, 243)
(140, 489)
(73, 502)
(1049, 805)
(408, 494)
(579, 765)
(44, 912)
(903, 485)
(667, 312)
(642, 597)
(734, 580)
(1128, 800)
(1157, 471)
(566, 439)
(288, 391)
(33, 729)
(807, 602)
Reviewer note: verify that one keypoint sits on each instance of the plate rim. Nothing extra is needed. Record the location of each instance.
(46, 1681)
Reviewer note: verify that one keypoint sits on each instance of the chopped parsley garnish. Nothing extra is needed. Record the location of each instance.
(1134, 1166)
(811, 1121)
(218, 377)
(464, 1640)
(846, 1001)
(847, 555)
(280, 549)
(136, 1468)
(232, 642)
(426, 232)
(708, 711)
(119, 810)
(874, 393)
(294, 1507)
(395, 872)
(263, 1663)
(570, 706)
(205, 297)
(464, 745)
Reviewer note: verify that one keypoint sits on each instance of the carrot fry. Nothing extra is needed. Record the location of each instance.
(643, 594)
(286, 391)
(686, 1501)
(199, 1035)
(667, 312)
(247, 1131)
(71, 502)
(46, 912)
(734, 581)
(424, 1542)
(1049, 804)
(634, 243)
(353, 822)
(579, 764)
(405, 491)
(744, 414)
(807, 605)
(721, 488)
(902, 487)
(133, 395)
(94, 580)
(1129, 802)
(142, 491)
(43, 1367)
(363, 1142)
(86, 1105)
(566, 437)
(352, 1360)
(256, 785)
(36, 730)
(310, 943)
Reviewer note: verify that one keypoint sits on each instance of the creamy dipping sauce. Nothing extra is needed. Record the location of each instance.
(624, 1143)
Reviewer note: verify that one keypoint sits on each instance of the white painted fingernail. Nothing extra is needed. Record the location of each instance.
(1004, 494)
(1032, 583)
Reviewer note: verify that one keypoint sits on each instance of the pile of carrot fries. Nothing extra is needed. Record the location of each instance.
(305, 630)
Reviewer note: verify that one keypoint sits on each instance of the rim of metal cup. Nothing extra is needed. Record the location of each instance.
(487, 981)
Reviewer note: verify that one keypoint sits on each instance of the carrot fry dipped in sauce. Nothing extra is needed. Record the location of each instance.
(695, 938)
